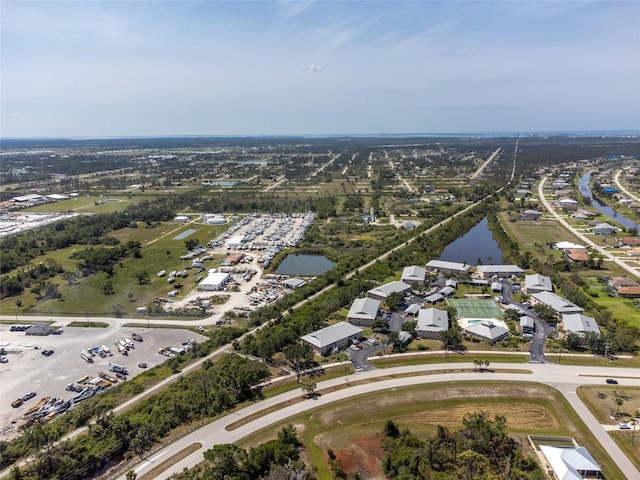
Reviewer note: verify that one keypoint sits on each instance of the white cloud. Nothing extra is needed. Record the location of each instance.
(313, 68)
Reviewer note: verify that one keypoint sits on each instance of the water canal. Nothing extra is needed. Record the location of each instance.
(583, 186)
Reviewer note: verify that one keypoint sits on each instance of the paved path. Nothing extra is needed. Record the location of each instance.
(616, 179)
(564, 378)
(581, 236)
(478, 172)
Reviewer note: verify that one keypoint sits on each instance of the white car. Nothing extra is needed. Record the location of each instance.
(624, 426)
(200, 329)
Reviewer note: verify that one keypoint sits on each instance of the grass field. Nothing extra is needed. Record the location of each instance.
(600, 402)
(108, 204)
(472, 308)
(355, 438)
(86, 296)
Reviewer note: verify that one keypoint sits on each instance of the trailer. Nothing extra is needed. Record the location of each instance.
(106, 350)
(129, 342)
(86, 356)
(114, 367)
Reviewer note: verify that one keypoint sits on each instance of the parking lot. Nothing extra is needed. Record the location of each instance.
(27, 369)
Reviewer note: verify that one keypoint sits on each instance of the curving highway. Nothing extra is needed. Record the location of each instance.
(561, 377)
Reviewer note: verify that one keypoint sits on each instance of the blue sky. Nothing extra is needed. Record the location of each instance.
(99, 69)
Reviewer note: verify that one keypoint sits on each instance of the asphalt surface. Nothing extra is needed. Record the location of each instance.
(564, 378)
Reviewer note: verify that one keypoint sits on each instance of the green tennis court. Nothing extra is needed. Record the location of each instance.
(475, 308)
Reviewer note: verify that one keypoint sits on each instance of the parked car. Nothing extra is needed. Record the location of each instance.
(142, 365)
(47, 353)
(624, 426)
(612, 381)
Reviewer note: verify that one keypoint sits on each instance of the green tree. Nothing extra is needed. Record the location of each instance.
(309, 388)
(394, 300)
(298, 354)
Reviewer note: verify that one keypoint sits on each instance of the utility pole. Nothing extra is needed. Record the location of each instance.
(606, 351)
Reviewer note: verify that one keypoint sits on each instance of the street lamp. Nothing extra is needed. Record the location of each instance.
(606, 351)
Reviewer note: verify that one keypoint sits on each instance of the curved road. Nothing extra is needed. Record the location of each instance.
(581, 236)
(564, 378)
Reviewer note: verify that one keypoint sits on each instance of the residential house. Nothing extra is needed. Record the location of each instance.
(629, 242)
(502, 271)
(432, 322)
(555, 302)
(604, 229)
(579, 323)
(332, 338)
(570, 463)
(363, 311)
(568, 204)
(383, 291)
(413, 274)
(530, 215)
(448, 268)
(537, 283)
(486, 330)
(577, 255)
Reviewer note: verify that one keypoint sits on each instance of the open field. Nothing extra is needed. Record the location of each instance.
(355, 439)
(84, 204)
(600, 401)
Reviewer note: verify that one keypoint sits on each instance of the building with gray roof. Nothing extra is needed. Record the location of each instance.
(486, 330)
(556, 303)
(363, 311)
(383, 291)
(579, 323)
(432, 322)
(571, 463)
(333, 337)
(413, 274)
(537, 283)
(502, 271)
(448, 267)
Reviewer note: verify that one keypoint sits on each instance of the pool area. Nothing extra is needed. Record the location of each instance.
(467, 322)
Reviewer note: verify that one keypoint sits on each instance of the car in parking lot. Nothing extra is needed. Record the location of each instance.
(47, 353)
(142, 365)
(612, 381)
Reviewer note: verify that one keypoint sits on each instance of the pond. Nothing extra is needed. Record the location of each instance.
(305, 265)
(476, 244)
(583, 186)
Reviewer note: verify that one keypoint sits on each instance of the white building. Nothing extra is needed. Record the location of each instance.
(432, 322)
(537, 283)
(556, 302)
(333, 337)
(502, 271)
(448, 267)
(413, 274)
(486, 330)
(215, 281)
(579, 323)
(571, 463)
(363, 311)
(383, 291)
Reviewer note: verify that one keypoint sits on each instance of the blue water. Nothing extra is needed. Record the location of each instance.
(583, 186)
(477, 243)
(304, 265)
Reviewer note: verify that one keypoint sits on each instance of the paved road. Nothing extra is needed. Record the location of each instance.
(616, 179)
(477, 173)
(581, 236)
(564, 378)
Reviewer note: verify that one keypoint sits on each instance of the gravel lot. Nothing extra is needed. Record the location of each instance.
(28, 370)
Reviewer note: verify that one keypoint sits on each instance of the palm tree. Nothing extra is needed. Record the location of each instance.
(486, 364)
